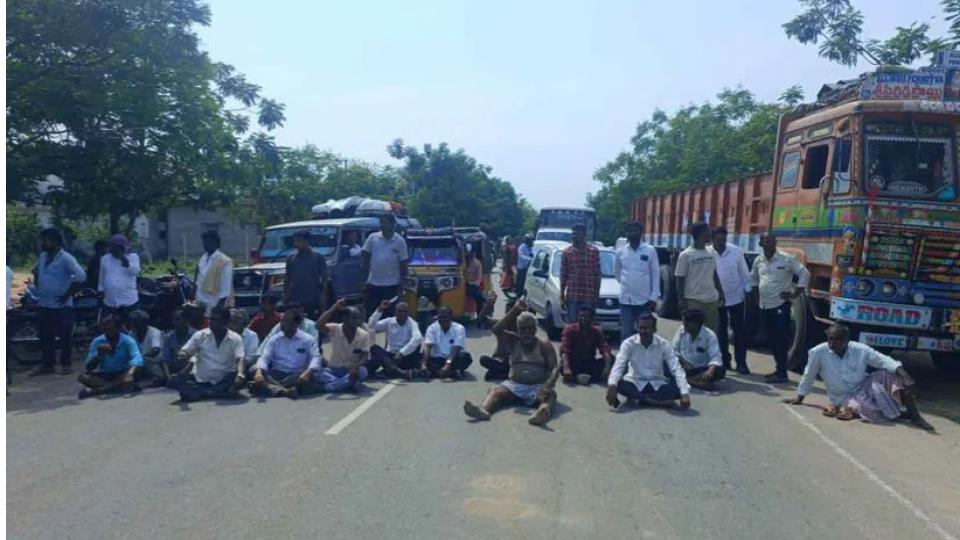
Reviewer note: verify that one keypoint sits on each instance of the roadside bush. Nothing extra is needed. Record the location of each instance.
(23, 229)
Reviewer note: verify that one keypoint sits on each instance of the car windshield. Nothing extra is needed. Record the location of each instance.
(606, 264)
(278, 243)
(908, 160)
(563, 236)
(433, 252)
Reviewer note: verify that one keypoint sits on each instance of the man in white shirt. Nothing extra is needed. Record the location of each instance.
(349, 349)
(251, 343)
(524, 258)
(290, 362)
(384, 264)
(638, 371)
(699, 353)
(214, 358)
(150, 341)
(402, 353)
(773, 274)
(637, 268)
(698, 286)
(736, 282)
(117, 281)
(214, 275)
(853, 392)
(443, 347)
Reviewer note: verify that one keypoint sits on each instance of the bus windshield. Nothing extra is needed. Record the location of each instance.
(278, 243)
(565, 218)
(908, 160)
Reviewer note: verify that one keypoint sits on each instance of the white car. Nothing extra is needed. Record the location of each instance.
(553, 234)
(543, 289)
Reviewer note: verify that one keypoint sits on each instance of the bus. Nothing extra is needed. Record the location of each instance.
(560, 217)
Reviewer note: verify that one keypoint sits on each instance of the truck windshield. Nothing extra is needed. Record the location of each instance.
(278, 243)
(433, 252)
(908, 160)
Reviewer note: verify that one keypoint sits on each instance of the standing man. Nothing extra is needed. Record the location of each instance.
(698, 286)
(579, 274)
(507, 277)
(118, 278)
(773, 273)
(93, 265)
(639, 372)
(57, 277)
(736, 282)
(524, 257)
(384, 264)
(214, 275)
(637, 268)
(214, 358)
(305, 282)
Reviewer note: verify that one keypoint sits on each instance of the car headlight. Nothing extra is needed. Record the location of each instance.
(918, 298)
(608, 302)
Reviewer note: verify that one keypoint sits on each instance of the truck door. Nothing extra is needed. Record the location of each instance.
(784, 213)
(814, 185)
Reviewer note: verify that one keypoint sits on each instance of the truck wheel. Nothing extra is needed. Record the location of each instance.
(667, 306)
(802, 331)
(947, 362)
(552, 331)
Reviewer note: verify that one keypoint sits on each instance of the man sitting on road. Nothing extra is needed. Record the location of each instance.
(113, 362)
(173, 340)
(854, 393)
(638, 371)
(251, 343)
(267, 318)
(443, 347)
(214, 359)
(306, 325)
(349, 349)
(498, 364)
(580, 345)
(289, 362)
(533, 370)
(150, 341)
(402, 355)
(698, 349)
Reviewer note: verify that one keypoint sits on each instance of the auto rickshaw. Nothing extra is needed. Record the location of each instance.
(435, 274)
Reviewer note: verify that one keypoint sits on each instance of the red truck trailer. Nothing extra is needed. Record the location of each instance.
(864, 192)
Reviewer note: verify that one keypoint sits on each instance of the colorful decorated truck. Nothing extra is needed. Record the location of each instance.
(864, 192)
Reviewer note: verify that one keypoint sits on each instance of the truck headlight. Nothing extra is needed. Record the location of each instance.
(918, 298)
(888, 289)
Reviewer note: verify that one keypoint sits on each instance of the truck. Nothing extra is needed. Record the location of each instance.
(864, 192)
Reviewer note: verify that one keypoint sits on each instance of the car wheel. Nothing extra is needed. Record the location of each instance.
(553, 332)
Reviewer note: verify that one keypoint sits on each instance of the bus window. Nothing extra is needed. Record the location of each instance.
(789, 169)
(841, 166)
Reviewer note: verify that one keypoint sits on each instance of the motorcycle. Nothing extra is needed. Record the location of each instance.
(162, 296)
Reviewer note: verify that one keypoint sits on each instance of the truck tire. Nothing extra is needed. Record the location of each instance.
(668, 305)
(947, 363)
(803, 334)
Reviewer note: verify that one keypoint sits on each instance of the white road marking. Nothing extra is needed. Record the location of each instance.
(906, 503)
(348, 419)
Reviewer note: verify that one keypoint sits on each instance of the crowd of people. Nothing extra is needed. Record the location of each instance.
(213, 351)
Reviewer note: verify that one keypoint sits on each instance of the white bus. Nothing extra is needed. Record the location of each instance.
(558, 220)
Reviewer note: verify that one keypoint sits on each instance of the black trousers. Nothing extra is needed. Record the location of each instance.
(391, 365)
(497, 368)
(733, 316)
(55, 330)
(192, 390)
(667, 391)
(588, 366)
(718, 375)
(375, 295)
(521, 281)
(778, 328)
(476, 292)
(461, 362)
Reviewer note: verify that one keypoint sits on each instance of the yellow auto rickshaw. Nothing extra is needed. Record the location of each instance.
(435, 275)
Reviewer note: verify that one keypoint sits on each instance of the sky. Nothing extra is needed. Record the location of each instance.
(543, 92)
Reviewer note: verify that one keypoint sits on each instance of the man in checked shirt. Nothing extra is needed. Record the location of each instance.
(579, 275)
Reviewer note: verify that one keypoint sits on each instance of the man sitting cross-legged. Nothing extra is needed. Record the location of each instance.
(638, 371)
(402, 354)
(349, 349)
(698, 349)
(177, 337)
(853, 393)
(498, 364)
(443, 347)
(215, 362)
(580, 344)
(533, 370)
(251, 343)
(113, 362)
(289, 363)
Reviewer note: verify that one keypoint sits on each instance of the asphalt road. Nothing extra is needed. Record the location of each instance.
(410, 465)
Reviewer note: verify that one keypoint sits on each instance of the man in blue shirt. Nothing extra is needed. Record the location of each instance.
(57, 277)
(524, 257)
(113, 362)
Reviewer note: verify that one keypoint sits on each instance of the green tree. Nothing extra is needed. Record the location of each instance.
(699, 144)
(445, 187)
(116, 99)
(837, 28)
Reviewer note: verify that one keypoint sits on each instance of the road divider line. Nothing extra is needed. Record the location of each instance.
(906, 503)
(348, 419)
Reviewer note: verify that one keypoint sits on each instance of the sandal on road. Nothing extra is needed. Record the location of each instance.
(830, 411)
(846, 414)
